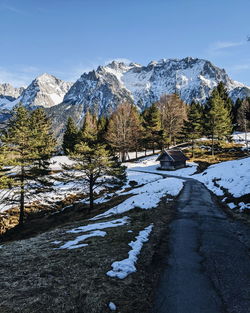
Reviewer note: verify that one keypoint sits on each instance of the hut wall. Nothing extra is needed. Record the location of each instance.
(167, 165)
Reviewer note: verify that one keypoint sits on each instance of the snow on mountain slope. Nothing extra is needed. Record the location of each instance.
(8, 94)
(10, 91)
(116, 82)
(46, 90)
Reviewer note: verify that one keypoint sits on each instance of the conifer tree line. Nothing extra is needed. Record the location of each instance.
(163, 124)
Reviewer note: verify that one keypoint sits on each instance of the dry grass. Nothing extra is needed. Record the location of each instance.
(37, 278)
(224, 151)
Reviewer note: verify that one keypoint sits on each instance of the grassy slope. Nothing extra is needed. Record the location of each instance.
(41, 279)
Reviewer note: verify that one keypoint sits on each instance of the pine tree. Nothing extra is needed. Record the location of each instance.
(102, 127)
(89, 131)
(96, 167)
(228, 103)
(243, 118)
(152, 127)
(218, 120)
(235, 110)
(42, 137)
(192, 128)
(70, 136)
(22, 141)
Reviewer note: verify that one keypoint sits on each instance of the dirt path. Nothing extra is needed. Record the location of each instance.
(208, 269)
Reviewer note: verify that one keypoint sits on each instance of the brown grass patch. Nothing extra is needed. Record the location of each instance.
(41, 279)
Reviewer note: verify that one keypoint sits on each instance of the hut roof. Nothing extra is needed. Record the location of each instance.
(172, 155)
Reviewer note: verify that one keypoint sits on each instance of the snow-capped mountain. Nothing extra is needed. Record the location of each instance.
(46, 91)
(103, 89)
(116, 82)
(9, 93)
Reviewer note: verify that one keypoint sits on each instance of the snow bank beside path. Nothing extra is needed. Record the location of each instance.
(121, 269)
(147, 196)
(231, 175)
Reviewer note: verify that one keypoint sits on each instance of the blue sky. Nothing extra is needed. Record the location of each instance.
(67, 37)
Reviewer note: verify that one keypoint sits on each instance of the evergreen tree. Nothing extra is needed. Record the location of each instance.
(192, 128)
(89, 131)
(243, 118)
(236, 107)
(102, 127)
(228, 103)
(152, 127)
(70, 136)
(22, 142)
(218, 121)
(97, 167)
(42, 137)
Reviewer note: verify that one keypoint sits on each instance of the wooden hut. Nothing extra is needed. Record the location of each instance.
(172, 160)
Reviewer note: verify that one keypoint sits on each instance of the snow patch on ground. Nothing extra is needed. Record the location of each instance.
(98, 226)
(112, 306)
(121, 269)
(74, 244)
(95, 232)
(147, 196)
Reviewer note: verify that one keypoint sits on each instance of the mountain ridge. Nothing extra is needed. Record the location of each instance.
(102, 89)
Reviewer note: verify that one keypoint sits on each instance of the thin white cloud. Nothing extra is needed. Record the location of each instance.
(240, 67)
(12, 9)
(223, 47)
(219, 45)
(20, 77)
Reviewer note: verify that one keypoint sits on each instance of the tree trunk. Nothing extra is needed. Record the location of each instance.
(245, 129)
(192, 148)
(212, 144)
(21, 216)
(145, 151)
(123, 156)
(91, 195)
(136, 154)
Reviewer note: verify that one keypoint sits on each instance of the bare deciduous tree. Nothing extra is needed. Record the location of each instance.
(124, 129)
(173, 112)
